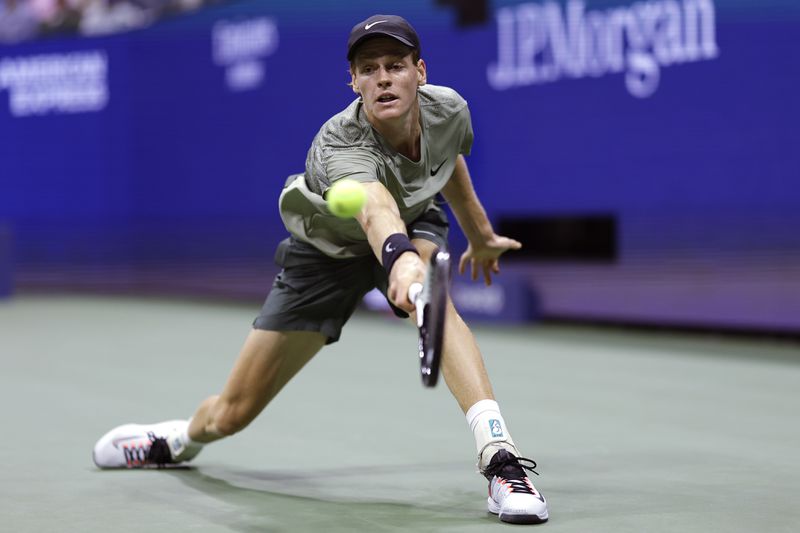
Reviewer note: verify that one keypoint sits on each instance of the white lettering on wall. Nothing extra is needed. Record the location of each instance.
(479, 298)
(544, 42)
(240, 46)
(75, 82)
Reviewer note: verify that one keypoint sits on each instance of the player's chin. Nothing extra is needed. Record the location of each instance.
(388, 111)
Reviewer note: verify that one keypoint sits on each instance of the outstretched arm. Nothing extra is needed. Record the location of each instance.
(485, 246)
(380, 218)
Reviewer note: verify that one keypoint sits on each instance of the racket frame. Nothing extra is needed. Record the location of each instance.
(431, 310)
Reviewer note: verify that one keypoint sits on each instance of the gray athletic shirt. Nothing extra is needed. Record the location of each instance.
(348, 147)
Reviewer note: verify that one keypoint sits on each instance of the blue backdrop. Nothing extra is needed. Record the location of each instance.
(678, 117)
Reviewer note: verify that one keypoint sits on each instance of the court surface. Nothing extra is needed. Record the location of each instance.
(633, 432)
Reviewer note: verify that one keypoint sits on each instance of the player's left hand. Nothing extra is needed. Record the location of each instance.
(485, 256)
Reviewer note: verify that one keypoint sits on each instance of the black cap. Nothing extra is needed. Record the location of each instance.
(377, 25)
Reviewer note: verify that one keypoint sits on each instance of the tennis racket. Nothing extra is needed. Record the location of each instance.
(430, 300)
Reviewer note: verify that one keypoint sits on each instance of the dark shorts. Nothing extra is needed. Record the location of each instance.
(315, 292)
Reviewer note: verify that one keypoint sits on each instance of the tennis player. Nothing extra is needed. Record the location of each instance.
(405, 141)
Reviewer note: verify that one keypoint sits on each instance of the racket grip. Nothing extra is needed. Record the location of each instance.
(414, 290)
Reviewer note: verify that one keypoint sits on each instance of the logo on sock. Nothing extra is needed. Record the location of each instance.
(495, 428)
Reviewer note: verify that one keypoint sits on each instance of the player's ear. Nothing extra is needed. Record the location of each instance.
(353, 83)
(422, 73)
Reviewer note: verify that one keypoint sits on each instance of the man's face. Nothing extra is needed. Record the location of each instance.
(384, 73)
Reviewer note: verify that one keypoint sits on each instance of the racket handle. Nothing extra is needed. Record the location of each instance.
(414, 290)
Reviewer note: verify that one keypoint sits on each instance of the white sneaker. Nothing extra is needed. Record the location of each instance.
(512, 496)
(145, 445)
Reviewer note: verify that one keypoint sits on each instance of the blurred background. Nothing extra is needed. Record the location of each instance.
(644, 152)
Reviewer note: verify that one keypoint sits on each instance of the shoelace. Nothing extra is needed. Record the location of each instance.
(135, 455)
(512, 470)
(159, 453)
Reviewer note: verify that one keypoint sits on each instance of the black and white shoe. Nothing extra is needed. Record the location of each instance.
(144, 446)
(512, 496)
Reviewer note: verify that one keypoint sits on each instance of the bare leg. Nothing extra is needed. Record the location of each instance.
(462, 363)
(268, 360)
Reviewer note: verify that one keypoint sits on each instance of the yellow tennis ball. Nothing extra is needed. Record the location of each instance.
(346, 197)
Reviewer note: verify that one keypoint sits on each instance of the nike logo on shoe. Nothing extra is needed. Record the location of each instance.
(117, 441)
(435, 170)
(368, 26)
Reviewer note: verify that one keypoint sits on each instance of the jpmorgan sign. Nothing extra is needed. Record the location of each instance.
(540, 43)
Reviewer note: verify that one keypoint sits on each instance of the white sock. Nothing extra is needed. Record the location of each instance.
(182, 447)
(490, 431)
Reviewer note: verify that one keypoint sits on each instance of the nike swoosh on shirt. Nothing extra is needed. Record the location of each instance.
(368, 26)
(435, 170)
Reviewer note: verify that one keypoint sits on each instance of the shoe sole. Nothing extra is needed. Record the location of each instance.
(522, 519)
(494, 509)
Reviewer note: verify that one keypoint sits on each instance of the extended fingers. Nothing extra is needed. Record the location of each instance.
(490, 266)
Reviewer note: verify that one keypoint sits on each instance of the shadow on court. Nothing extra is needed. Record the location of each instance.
(331, 500)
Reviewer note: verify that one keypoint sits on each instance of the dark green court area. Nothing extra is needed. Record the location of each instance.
(633, 431)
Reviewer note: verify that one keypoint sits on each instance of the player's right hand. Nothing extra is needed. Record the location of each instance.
(407, 269)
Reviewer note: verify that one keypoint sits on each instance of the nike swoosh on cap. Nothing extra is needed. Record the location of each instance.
(368, 26)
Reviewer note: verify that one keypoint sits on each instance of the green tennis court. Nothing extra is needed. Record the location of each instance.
(632, 431)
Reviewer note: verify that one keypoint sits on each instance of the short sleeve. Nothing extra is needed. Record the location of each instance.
(468, 136)
(355, 164)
